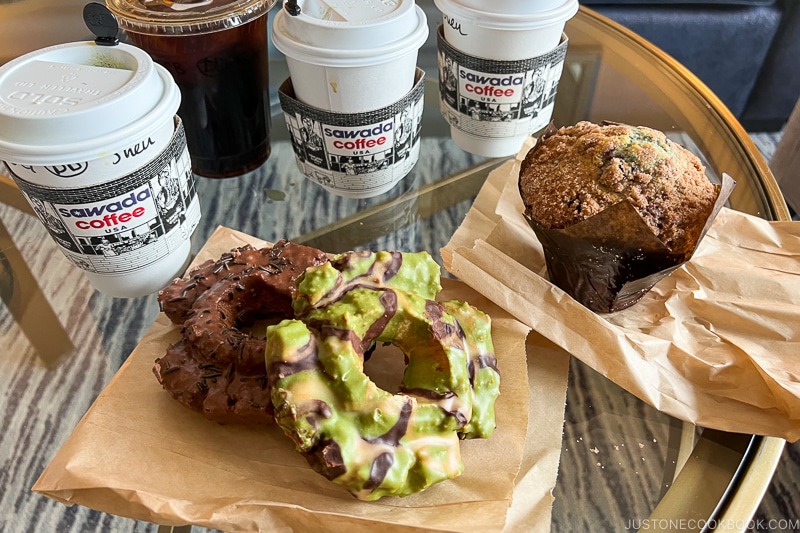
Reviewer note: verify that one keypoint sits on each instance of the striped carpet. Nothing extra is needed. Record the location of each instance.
(43, 399)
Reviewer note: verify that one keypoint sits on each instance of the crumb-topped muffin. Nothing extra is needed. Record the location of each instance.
(579, 171)
(616, 208)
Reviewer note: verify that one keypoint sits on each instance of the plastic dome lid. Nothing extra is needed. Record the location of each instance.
(350, 32)
(164, 17)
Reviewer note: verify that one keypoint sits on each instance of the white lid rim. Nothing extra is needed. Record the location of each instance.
(339, 57)
(507, 21)
(50, 154)
(141, 92)
(349, 25)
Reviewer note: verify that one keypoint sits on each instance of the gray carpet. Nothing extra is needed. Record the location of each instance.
(33, 429)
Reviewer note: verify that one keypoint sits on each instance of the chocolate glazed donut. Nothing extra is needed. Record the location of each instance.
(176, 300)
(216, 368)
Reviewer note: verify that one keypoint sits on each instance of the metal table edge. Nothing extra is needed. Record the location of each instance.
(756, 458)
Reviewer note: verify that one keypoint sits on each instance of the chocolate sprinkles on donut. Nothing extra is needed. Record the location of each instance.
(218, 369)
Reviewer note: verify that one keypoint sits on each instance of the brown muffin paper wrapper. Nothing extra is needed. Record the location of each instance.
(137, 453)
(609, 261)
(715, 343)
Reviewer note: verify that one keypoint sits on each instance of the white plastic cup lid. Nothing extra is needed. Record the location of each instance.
(510, 14)
(514, 7)
(73, 100)
(350, 33)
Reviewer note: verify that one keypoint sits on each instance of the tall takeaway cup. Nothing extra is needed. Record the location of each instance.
(353, 101)
(499, 69)
(90, 135)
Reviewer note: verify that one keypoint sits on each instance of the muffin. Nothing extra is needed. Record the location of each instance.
(616, 207)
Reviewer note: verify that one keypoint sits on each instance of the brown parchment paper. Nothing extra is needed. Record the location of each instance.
(138, 453)
(716, 343)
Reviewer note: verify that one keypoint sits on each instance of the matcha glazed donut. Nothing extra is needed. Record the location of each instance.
(371, 441)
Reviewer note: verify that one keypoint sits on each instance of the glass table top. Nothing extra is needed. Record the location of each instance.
(622, 462)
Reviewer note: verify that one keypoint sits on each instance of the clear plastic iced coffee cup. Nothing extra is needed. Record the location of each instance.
(91, 137)
(216, 50)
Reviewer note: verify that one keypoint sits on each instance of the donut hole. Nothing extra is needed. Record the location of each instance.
(385, 367)
(255, 306)
(256, 326)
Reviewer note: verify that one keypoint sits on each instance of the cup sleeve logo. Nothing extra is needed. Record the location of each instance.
(121, 211)
(71, 170)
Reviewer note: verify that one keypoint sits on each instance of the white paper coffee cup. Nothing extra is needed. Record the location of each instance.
(499, 70)
(349, 56)
(356, 155)
(513, 29)
(493, 105)
(90, 136)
